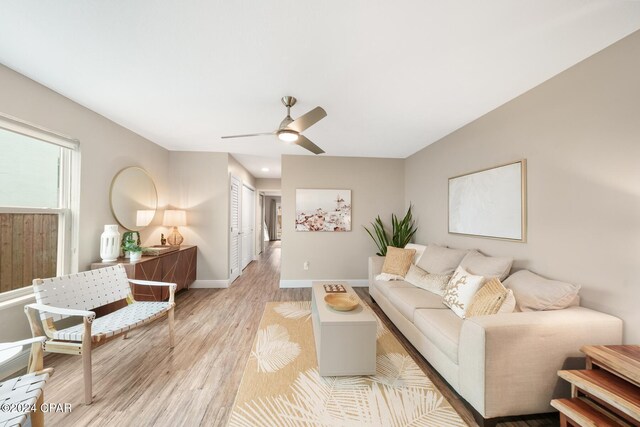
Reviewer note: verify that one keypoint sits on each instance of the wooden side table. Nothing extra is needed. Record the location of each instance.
(607, 393)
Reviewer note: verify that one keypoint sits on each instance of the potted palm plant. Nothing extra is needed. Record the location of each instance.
(402, 232)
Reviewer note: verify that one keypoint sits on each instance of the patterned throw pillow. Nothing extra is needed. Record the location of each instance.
(435, 283)
(460, 291)
(398, 261)
(488, 300)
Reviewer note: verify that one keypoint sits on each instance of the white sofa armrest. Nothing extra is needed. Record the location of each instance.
(375, 267)
(509, 362)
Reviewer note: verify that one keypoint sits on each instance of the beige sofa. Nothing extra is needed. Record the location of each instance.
(503, 364)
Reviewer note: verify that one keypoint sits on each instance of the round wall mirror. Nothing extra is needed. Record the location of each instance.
(134, 198)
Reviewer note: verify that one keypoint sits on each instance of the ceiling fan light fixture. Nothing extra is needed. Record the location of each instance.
(288, 135)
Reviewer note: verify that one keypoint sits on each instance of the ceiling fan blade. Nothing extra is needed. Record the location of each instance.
(307, 120)
(249, 134)
(305, 143)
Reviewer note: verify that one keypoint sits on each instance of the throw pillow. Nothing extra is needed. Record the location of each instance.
(488, 266)
(419, 251)
(440, 260)
(535, 293)
(435, 283)
(398, 261)
(488, 300)
(460, 291)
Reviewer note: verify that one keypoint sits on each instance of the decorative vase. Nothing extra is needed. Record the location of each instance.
(110, 243)
(134, 256)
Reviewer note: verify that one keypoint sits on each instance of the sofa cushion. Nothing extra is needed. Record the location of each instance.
(407, 300)
(398, 260)
(509, 305)
(442, 328)
(384, 287)
(435, 283)
(535, 293)
(419, 251)
(440, 260)
(488, 266)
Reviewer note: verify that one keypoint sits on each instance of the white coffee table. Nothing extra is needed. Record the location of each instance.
(345, 340)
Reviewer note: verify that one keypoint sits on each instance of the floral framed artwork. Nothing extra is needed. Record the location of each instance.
(323, 210)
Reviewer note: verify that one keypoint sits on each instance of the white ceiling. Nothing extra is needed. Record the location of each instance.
(256, 164)
(392, 76)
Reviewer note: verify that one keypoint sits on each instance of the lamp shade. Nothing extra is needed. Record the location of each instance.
(174, 218)
(144, 217)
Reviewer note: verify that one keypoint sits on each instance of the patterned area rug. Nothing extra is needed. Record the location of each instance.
(281, 385)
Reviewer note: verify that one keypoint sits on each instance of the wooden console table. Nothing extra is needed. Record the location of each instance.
(175, 267)
(607, 393)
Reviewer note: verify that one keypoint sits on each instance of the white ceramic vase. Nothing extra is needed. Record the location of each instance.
(110, 243)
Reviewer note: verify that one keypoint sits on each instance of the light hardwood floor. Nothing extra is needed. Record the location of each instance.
(141, 382)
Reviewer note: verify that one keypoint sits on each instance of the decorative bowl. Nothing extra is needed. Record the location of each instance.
(341, 302)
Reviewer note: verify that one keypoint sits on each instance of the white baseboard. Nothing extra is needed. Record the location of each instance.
(357, 283)
(210, 284)
(16, 364)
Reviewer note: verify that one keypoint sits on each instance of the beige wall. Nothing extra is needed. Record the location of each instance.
(200, 184)
(580, 134)
(105, 147)
(268, 184)
(241, 172)
(376, 189)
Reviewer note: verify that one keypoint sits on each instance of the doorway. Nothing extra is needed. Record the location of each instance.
(273, 218)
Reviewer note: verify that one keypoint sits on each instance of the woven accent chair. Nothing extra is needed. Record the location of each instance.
(75, 295)
(23, 392)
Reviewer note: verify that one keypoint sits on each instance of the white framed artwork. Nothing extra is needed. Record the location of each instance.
(490, 202)
(323, 210)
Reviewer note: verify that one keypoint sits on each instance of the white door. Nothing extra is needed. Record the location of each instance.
(234, 237)
(247, 224)
(262, 229)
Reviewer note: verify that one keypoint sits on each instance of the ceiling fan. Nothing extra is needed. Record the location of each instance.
(290, 130)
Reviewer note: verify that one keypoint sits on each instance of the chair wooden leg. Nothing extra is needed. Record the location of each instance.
(86, 366)
(86, 363)
(35, 358)
(172, 331)
(124, 336)
(37, 417)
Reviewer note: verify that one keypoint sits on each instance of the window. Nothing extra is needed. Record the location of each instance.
(38, 207)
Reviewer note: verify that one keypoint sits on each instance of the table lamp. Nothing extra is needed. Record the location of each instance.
(174, 218)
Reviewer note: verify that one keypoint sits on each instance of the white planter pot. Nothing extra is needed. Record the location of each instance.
(110, 243)
(135, 256)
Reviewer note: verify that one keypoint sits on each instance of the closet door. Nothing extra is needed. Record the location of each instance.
(248, 224)
(234, 237)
